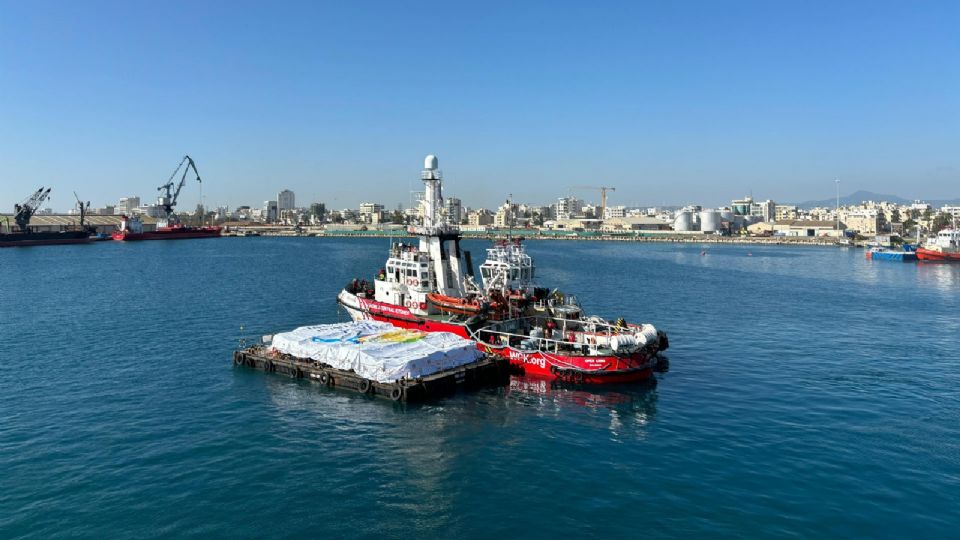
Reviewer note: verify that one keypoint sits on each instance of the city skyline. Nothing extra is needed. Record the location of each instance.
(672, 104)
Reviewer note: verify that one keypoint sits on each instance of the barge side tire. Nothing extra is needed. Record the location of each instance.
(268, 366)
(396, 394)
(578, 377)
(325, 378)
(295, 373)
(364, 386)
(238, 360)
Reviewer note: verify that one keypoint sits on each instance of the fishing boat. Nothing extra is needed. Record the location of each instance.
(430, 286)
(880, 253)
(944, 247)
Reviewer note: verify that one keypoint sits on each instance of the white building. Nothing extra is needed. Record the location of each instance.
(954, 211)
(285, 200)
(568, 207)
(371, 212)
(127, 205)
(506, 215)
(614, 212)
(454, 209)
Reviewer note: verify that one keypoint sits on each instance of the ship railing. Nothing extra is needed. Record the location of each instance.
(539, 343)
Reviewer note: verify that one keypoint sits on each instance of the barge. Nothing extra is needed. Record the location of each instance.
(378, 360)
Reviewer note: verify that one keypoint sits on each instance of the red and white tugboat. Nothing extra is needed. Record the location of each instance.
(430, 286)
(168, 226)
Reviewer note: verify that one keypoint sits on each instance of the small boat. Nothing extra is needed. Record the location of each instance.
(879, 253)
(460, 306)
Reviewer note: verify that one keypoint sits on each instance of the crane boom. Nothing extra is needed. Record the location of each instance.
(25, 210)
(168, 201)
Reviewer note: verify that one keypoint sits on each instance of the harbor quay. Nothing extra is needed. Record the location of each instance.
(666, 237)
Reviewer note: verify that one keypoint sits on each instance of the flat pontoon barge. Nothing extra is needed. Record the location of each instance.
(490, 370)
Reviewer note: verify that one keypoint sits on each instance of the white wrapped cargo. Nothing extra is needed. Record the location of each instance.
(378, 350)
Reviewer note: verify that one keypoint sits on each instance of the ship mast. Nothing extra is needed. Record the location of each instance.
(437, 233)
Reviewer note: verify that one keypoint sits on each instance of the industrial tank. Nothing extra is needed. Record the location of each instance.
(709, 221)
(683, 222)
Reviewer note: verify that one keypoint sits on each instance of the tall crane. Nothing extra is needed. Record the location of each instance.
(84, 208)
(25, 210)
(603, 196)
(168, 201)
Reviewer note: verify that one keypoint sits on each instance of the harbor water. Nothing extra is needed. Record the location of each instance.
(811, 393)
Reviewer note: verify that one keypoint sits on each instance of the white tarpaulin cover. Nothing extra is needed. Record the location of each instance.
(378, 350)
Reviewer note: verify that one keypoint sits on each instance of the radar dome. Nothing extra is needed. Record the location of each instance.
(430, 163)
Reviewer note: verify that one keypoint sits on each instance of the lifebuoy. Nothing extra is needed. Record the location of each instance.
(364, 386)
(396, 394)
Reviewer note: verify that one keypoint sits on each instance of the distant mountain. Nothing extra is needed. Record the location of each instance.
(860, 196)
(856, 197)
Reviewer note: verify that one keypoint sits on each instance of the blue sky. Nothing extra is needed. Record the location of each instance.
(670, 102)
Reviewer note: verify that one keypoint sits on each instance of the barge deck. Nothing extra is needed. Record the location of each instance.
(490, 370)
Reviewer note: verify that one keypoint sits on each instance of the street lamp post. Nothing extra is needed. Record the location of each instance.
(837, 210)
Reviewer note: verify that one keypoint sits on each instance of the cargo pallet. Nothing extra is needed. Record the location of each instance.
(491, 370)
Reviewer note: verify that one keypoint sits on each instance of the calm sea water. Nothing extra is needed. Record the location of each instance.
(811, 393)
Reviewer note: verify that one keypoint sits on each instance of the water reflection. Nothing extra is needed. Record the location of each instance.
(944, 277)
(627, 408)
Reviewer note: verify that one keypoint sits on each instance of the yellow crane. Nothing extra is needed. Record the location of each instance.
(603, 196)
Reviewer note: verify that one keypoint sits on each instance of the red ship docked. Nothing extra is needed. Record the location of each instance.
(944, 247)
(168, 226)
(431, 287)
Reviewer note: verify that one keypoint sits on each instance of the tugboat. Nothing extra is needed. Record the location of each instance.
(944, 247)
(168, 226)
(25, 237)
(430, 286)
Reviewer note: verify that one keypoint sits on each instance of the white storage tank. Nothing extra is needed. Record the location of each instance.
(709, 221)
(683, 222)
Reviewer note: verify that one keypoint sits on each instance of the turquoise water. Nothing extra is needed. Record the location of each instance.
(811, 393)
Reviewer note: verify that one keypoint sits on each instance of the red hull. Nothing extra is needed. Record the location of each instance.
(929, 255)
(169, 234)
(579, 369)
(55, 242)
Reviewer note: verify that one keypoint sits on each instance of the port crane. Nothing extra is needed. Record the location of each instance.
(84, 208)
(603, 196)
(168, 201)
(25, 210)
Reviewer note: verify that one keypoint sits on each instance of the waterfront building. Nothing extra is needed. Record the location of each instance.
(127, 205)
(567, 207)
(371, 212)
(270, 213)
(801, 227)
(766, 210)
(480, 217)
(454, 209)
(741, 207)
(285, 201)
(783, 212)
(506, 215)
(866, 222)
